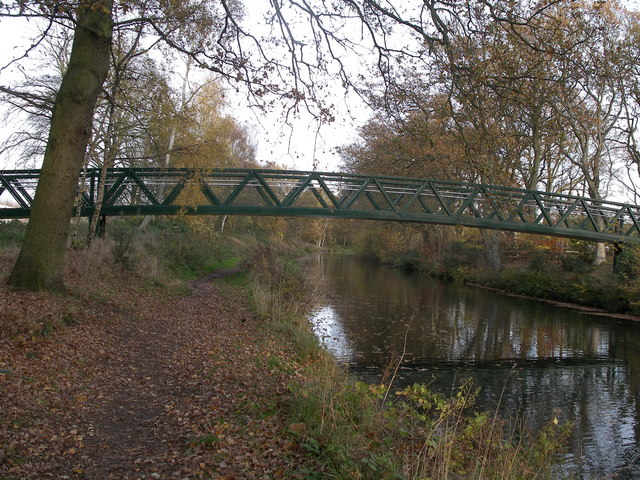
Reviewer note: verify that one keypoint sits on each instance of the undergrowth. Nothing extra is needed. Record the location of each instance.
(600, 290)
(353, 430)
(359, 431)
(169, 249)
(11, 233)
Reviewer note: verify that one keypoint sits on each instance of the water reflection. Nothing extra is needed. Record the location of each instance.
(327, 326)
(533, 361)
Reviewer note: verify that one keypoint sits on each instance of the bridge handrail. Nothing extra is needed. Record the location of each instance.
(298, 174)
(341, 194)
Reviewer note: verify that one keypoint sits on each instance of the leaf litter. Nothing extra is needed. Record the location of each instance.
(122, 380)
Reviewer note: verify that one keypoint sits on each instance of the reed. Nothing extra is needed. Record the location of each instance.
(359, 431)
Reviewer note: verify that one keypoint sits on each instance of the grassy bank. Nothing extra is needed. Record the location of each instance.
(598, 289)
(373, 432)
(548, 268)
(595, 287)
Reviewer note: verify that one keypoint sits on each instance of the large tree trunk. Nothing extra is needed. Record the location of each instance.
(41, 260)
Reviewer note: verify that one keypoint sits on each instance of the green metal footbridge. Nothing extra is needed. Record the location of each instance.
(150, 191)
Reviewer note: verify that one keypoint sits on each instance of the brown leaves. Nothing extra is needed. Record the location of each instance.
(298, 428)
(148, 384)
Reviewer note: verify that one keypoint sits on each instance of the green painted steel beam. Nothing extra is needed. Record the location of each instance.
(148, 191)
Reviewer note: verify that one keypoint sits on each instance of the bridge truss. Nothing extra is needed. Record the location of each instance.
(149, 191)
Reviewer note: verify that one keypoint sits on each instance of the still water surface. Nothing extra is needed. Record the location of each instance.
(533, 361)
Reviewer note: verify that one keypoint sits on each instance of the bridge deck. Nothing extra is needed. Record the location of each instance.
(148, 191)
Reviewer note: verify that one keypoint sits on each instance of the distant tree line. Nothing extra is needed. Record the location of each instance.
(541, 93)
(546, 101)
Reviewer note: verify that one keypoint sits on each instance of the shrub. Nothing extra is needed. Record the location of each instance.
(461, 255)
(539, 260)
(368, 244)
(627, 262)
(182, 248)
(358, 431)
(578, 256)
(408, 262)
(11, 233)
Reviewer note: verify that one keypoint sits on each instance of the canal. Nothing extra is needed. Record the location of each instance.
(532, 361)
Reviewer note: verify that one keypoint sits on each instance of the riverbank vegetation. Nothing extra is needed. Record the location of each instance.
(559, 123)
(548, 268)
(325, 424)
(374, 432)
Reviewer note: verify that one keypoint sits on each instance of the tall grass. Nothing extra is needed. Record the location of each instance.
(416, 435)
(281, 295)
(359, 431)
(279, 289)
(454, 441)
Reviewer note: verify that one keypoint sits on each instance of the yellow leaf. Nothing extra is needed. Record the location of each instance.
(80, 398)
(297, 428)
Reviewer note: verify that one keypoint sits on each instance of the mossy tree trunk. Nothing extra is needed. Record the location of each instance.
(41, 259)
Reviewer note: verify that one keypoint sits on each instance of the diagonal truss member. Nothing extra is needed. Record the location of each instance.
(150, 191)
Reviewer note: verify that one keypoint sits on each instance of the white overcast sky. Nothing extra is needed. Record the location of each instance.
(297, 145)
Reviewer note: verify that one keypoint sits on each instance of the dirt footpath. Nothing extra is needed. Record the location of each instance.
(142, 384)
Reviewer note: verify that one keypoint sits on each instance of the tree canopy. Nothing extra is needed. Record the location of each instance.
(489, 77)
